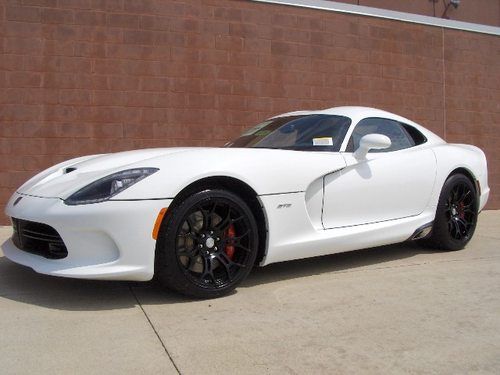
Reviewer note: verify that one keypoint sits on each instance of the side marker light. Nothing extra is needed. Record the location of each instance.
(159, 220)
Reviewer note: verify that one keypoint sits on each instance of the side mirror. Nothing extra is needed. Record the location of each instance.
(369, 142)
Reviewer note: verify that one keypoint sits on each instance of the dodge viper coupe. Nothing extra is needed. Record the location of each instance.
(298, 185)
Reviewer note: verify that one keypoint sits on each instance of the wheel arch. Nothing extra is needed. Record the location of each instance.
(467, 173)
(244, 191)
(441, 237)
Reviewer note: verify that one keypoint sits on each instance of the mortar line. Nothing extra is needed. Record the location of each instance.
(155, 331)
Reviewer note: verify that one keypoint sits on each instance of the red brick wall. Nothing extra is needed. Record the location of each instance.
(472, 99)
(92, 76)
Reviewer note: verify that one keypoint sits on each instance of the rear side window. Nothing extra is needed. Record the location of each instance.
(399, 136)
(418, 138)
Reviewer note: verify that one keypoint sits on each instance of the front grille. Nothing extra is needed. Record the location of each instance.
(37, 238)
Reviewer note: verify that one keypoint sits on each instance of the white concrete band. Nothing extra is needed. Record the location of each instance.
(334, 6)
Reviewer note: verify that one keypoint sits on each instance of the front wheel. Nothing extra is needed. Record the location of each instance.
(207, 245)
(456, 215)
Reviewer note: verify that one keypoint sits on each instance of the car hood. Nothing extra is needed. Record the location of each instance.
(65, 178)
(267, 171)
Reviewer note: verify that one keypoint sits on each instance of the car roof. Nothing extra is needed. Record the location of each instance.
(348, 111)
(357, 113)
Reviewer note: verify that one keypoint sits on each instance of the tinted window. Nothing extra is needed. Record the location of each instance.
(418, 138)
(309, 132)
(392, 129)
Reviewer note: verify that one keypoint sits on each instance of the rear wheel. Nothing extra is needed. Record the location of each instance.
(456, 215)
(207, 245)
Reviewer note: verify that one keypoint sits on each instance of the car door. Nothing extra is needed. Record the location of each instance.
(389, 184)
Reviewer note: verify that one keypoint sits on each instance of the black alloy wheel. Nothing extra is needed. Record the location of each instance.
(207, 245)
(461, 211)
(456, 215)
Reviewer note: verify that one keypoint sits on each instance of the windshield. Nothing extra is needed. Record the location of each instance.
(304, 132)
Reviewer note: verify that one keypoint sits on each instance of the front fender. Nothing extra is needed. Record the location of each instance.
(265, 171)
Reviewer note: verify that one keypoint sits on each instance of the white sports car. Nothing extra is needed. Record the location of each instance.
(298, 185)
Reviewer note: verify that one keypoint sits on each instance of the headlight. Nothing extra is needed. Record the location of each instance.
(106, 187)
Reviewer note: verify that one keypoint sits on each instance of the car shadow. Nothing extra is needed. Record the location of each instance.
(21, 284)
(347, 261)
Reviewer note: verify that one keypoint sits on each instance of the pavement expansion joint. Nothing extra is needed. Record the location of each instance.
(424, 263)
(155, 331)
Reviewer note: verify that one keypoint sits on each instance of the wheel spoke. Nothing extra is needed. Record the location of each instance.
(204, 214)
(460, 193)
(188, 253)
(188, 235)
(224, 223)
(468, 210)
(191, 223)
(236, 239)
(454, 194)
(469, 205)
(192, 261)
(236, 242)
(463, 223)
(235, 220)
(451, 226)
(244, 248)
(464, 196)
(226, 262)
(242, 235)
(208, 269)
(465, 233)
(457, 229)
(212, 213)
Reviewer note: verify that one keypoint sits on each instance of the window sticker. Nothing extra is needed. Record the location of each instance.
(323, 141)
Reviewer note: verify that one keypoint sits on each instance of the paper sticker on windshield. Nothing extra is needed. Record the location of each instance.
(323, 141)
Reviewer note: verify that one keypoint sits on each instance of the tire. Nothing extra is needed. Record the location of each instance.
(456, 215)
(207, 244)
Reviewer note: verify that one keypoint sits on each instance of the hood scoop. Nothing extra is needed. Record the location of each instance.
(69, 170)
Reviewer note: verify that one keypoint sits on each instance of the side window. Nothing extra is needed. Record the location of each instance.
(398, 135)
(418, 138)
(326, 134)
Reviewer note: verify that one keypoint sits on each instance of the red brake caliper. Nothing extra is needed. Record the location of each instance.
(230, 234)
(461, 210)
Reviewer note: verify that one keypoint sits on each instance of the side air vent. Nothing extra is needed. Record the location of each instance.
(423, 232)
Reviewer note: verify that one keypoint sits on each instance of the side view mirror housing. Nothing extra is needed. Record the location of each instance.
(371, 142)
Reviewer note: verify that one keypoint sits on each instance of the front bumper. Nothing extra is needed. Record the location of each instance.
(108, 240)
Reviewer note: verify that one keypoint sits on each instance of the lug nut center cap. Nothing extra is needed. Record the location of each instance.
(210, 242)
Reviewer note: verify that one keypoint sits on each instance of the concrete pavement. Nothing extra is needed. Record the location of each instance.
(392, 309)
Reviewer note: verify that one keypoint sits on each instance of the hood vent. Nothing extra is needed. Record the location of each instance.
(69, 169)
